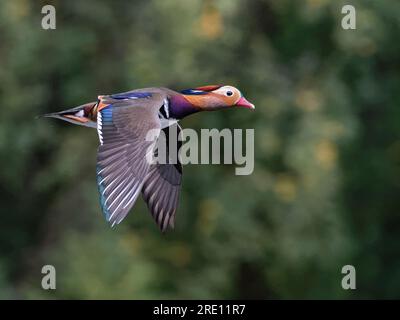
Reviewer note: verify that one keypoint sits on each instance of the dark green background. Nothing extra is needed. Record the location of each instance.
(325, 189)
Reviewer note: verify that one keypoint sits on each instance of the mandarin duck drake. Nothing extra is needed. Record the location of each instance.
(123, 121)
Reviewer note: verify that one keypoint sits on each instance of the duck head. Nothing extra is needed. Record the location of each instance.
(208, 98)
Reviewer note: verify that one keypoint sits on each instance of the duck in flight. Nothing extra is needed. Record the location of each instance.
(123, 121)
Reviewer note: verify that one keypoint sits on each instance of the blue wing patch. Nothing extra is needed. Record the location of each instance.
(104, 120)
(106, 115)
(194, 92)
(131, 95)
(101, 188)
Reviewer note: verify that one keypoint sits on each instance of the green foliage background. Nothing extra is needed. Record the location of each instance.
(325, 189)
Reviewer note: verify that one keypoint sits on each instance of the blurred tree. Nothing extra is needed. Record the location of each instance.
(324, 190)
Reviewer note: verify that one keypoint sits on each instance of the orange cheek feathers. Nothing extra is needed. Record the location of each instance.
(207, 101)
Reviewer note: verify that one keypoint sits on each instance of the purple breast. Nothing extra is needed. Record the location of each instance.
(179, 107)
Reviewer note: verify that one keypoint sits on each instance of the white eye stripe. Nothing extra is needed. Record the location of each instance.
(227, 91)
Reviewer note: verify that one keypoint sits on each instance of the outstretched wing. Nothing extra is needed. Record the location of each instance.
(163, 183)
(123, 123)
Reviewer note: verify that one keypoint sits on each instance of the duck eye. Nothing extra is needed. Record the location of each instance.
(229, 93)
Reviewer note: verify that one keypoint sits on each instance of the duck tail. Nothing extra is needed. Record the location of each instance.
(84, 115)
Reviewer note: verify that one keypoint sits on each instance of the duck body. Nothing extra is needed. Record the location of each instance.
(123, 121)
